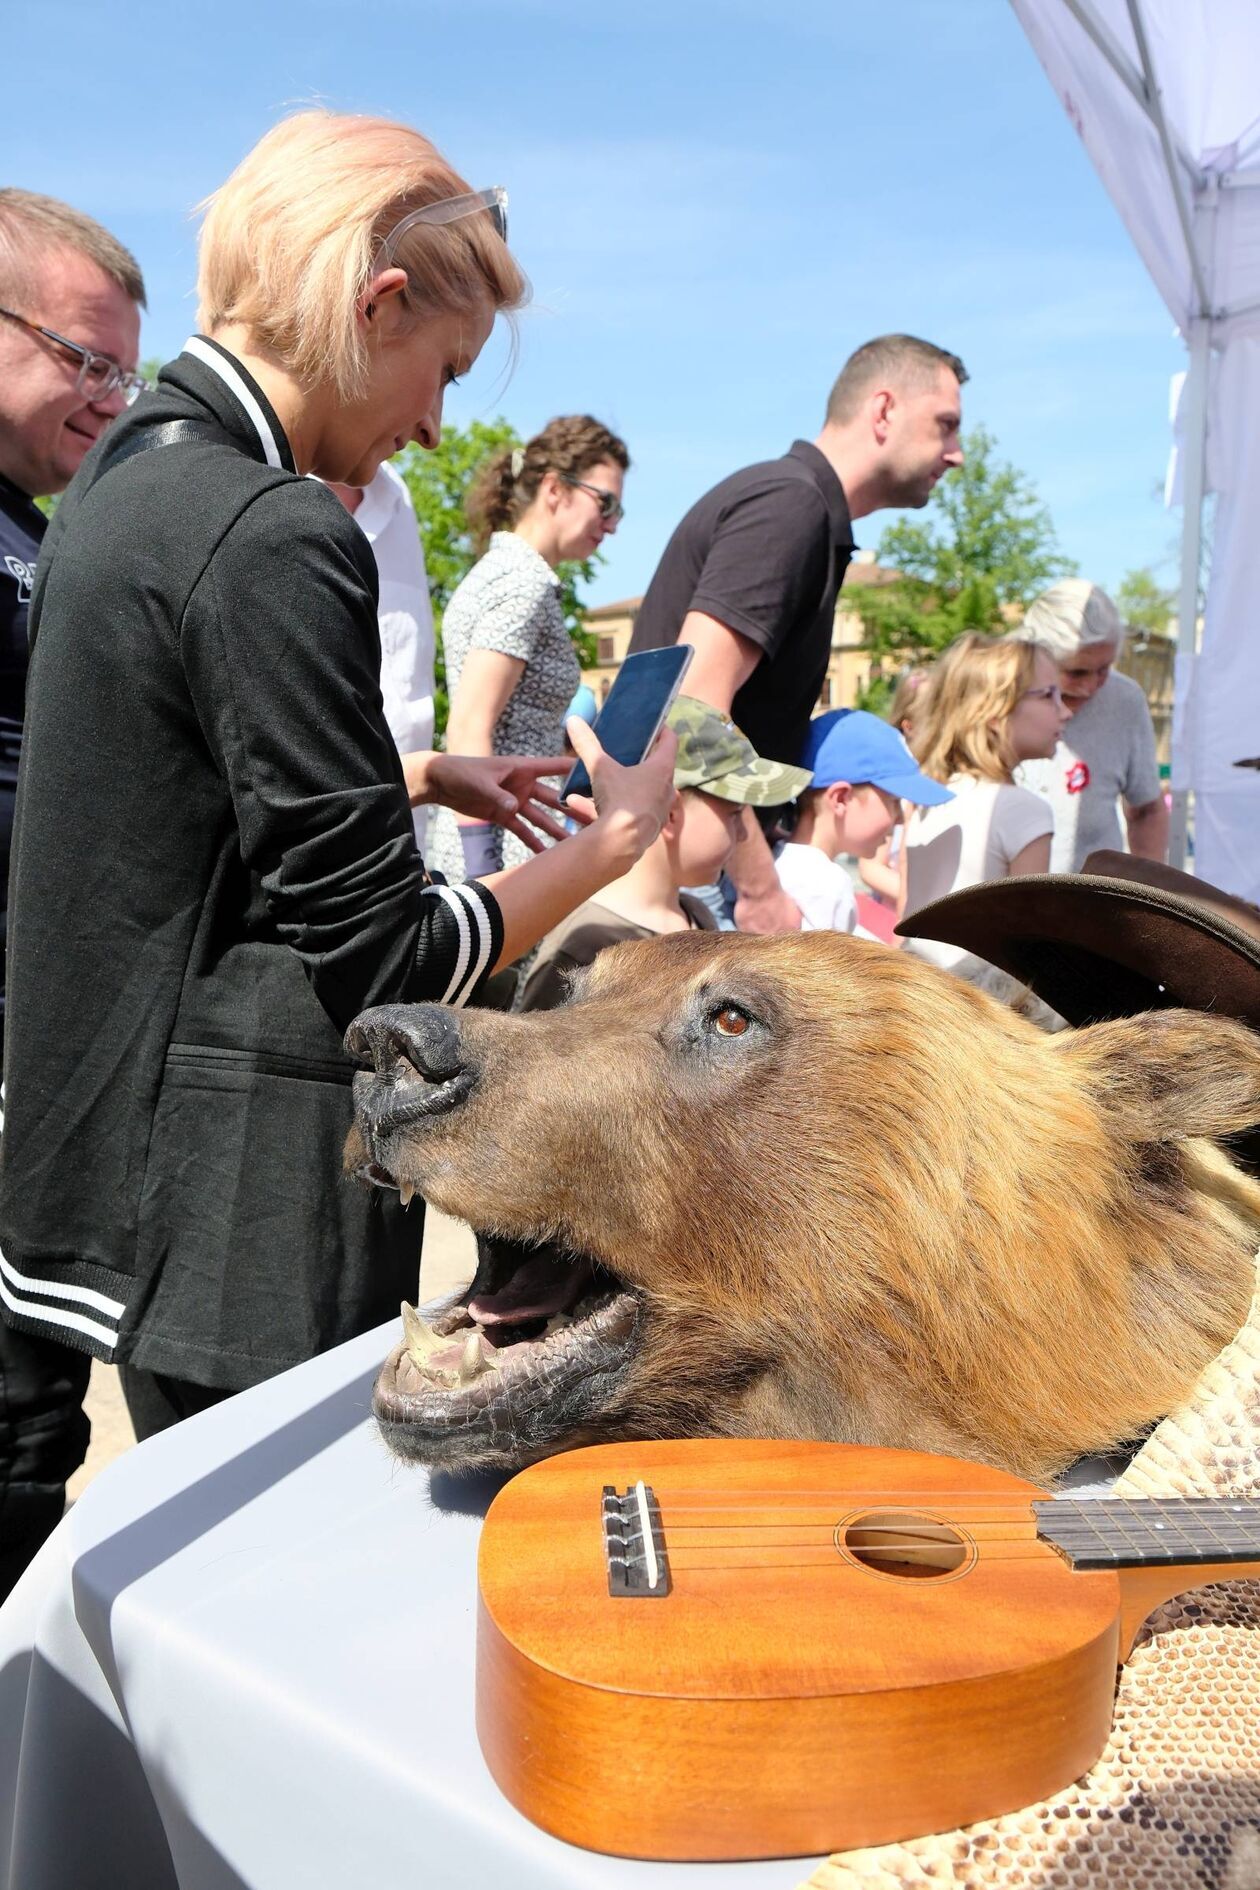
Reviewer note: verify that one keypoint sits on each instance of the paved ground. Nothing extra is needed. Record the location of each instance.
(448, 1261)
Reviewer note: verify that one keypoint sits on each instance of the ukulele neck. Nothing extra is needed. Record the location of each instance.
(1149, 1532)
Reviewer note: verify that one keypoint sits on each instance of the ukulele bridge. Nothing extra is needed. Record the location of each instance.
(634, 1543)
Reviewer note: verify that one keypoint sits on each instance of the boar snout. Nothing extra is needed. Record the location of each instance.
(418, 1056)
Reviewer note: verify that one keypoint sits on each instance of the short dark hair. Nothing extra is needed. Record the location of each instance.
(903, 358)
(31, 224)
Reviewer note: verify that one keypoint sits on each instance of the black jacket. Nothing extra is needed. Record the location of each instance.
(214, 871)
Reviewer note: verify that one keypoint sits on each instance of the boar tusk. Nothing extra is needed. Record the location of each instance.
(405, 1191)
(421, 1342)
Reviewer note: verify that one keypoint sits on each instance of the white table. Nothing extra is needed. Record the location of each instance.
(245, 1662)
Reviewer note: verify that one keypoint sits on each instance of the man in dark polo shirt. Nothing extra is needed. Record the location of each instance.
(70, 300)
(751, 575)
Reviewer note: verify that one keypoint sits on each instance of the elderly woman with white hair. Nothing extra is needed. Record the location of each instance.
(1105, 758)
(215, 867)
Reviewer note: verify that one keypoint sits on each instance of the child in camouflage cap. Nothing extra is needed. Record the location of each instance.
(717, 773)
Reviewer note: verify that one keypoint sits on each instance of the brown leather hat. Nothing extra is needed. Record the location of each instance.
(1125, 935)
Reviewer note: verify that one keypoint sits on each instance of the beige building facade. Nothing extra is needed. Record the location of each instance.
(849, 670)
(1148, 659)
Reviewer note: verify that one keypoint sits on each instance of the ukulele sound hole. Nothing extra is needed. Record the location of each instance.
(897, 1542)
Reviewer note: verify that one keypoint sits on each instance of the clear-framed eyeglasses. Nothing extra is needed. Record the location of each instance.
(448, 210)
(98, 376)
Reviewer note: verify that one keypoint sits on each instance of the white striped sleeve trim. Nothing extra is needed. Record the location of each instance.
(106, 1336)
(57, 1289)
(475, 939)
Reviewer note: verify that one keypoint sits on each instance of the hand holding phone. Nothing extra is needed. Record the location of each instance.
(632, 802)
(635, 709)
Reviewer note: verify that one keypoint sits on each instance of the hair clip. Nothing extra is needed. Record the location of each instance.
(518, 462)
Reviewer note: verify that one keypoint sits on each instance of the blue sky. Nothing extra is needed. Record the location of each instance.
(715, 201)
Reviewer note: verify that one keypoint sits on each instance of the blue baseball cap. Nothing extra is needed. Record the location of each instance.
(852, 745)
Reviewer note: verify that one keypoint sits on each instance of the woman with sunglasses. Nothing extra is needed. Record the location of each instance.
(511, 668)
(215, 866)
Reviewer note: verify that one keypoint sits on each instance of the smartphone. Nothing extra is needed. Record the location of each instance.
(634, 709)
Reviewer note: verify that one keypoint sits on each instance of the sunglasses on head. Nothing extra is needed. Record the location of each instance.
(610, 506)
(449, 210)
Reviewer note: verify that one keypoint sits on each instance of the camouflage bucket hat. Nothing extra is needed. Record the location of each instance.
(713, 755)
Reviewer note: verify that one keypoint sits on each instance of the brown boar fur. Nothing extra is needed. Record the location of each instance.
(888, 1212)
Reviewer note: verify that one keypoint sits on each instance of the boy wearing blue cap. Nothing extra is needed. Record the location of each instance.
(862, 772)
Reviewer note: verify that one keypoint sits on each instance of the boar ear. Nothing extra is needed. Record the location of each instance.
(1171, 1073)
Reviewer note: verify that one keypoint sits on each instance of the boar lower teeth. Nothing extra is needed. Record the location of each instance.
(471, 1363)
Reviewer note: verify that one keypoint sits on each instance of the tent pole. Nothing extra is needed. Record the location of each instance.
(1192, 481)
(1089, 23)
(1155, 106)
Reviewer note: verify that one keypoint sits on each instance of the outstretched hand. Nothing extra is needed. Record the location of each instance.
(509, 791)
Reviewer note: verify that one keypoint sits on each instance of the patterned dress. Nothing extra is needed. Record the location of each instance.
(510, 602)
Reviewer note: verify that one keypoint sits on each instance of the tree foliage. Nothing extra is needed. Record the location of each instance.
(986, 542)
(438, 482)
(1144, 602)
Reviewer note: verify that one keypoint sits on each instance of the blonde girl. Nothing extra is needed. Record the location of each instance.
(989, 704)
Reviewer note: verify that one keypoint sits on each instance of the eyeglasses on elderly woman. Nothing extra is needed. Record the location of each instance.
(98, 375)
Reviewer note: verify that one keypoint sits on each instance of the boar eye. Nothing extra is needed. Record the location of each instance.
(730, 1021)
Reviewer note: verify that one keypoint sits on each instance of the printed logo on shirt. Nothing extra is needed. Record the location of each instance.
(1077, 778)
(23, 576)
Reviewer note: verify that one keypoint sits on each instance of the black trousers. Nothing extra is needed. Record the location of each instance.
(44, 1434)
(155, 1402)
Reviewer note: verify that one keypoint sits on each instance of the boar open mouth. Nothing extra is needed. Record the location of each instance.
(535, 1347)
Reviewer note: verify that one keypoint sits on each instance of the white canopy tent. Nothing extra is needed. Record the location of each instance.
(1165, 95)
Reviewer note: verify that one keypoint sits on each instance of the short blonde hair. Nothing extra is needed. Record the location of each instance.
(289, 241)
(31, 225)
(961, 715)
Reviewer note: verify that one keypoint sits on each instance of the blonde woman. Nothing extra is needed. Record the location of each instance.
(988, 705)
(510, 663)
(215, 866)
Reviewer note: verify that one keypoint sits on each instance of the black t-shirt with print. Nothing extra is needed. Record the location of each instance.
(22, 526)
(765, 552)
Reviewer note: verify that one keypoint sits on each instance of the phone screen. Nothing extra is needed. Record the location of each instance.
(634, 709)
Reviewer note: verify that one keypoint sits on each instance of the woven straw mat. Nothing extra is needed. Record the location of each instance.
(1174, 1801)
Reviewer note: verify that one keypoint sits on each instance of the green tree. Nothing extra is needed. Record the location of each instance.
(1144, 602)
(987, 542)
(438, 482)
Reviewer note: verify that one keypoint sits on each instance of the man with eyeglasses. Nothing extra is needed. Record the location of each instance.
(70, 301)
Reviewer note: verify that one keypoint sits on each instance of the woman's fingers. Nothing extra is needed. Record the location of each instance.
(542, 764)
(541, 820)
(525, 834)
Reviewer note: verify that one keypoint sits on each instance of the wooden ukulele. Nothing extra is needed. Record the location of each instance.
(720, 1649)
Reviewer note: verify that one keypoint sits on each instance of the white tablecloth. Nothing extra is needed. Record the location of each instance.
(245, 1662)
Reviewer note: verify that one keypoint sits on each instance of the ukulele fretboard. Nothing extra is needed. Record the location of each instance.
(1121, 1532)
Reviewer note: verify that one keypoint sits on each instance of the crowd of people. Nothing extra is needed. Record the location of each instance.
(230, 832)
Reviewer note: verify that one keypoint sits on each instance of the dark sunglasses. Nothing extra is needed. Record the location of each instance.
(610, 507)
